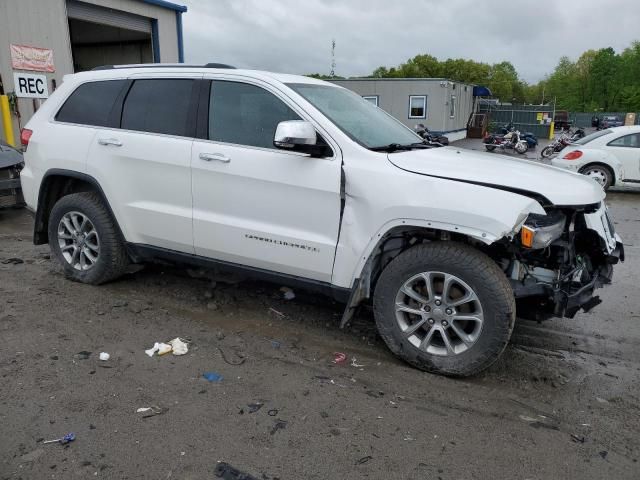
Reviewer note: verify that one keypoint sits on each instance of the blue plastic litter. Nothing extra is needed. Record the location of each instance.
(212, 376)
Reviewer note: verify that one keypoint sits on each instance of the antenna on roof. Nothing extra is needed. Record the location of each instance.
(333, 58)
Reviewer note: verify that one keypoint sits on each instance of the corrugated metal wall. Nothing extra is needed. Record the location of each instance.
(583, 119)
(523, 117)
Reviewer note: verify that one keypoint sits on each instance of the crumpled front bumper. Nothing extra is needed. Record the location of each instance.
(546, 292)
(568, 303)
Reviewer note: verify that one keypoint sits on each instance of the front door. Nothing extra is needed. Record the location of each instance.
(256, 205)
(627, 150)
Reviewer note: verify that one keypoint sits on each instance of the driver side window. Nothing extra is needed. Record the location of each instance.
(245, 114)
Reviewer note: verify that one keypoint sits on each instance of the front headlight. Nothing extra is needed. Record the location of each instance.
(539, 231)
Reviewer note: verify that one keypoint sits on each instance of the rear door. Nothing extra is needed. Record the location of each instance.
(254, 204)
(144, 166)
(627, 150)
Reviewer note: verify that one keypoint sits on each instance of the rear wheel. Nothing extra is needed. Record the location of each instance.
(600, 174)
(445, 308)
(490, 148)
(85, 240)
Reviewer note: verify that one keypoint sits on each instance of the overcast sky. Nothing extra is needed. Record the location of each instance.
(294, 36)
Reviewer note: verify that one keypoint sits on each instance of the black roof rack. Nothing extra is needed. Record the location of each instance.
(164, 65)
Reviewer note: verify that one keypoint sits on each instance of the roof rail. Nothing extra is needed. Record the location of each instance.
(163, 65)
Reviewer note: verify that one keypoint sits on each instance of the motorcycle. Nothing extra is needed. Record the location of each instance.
(577, 134)
(530, 138)
(561, 142)
(510, 141)
(431, 138)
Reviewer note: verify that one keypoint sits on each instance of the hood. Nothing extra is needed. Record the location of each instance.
(9, 156)
(557, 186)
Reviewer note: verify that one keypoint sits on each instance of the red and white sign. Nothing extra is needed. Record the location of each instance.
(37, 59)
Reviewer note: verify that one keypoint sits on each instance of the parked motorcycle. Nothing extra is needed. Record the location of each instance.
(431, 138)
(510, 141)
(561, 142)
(529, 137)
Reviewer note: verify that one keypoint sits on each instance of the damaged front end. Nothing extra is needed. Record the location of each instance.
(556, 261)
(11, 164)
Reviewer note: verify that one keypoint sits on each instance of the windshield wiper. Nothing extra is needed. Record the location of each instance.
(394, 147)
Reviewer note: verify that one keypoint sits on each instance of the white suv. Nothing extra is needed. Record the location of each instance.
(303, 182)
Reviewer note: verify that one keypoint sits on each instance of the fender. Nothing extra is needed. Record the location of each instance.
(40, 227)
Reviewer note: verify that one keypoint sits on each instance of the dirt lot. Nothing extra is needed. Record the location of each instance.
(563, 402)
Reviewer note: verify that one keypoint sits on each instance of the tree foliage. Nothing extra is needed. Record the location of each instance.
(599, 80)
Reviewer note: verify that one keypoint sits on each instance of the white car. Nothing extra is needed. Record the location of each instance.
(610, 157)
(307, 184)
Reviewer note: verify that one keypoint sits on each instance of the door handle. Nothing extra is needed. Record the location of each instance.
(218, 157)
(110, 141)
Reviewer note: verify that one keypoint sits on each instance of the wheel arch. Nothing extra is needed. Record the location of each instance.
(57, 183)
(395, 238)
(616, 172)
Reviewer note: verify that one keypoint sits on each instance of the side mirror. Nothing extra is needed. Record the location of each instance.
(298, 136)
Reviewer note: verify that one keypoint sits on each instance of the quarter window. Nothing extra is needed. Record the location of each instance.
(91, 103)
(244, 114)
(417, 106)
(158, 106)
(372, 98)
(632, 141)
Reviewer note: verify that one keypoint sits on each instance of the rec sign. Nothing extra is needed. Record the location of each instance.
(29, 85)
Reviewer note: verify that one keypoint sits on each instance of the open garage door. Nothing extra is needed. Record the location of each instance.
(104, 36)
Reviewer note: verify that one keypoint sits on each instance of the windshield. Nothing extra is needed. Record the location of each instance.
(362, 121)
(593, 136)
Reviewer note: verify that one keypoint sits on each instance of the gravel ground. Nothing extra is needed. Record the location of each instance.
(562, 402)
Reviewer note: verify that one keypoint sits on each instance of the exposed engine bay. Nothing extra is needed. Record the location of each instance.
(557, 260)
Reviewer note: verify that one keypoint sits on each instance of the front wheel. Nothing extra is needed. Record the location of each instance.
(547, 151)
(600, 174)
(85, 240)
(521, 148)
(445, 307)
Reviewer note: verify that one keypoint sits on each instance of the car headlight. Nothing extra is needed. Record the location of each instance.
(539, 231)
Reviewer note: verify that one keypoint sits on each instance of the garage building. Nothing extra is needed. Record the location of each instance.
(442, 105)
(81, 35)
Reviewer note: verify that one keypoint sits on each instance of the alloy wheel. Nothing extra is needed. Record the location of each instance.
(78, 241)
(439, 313)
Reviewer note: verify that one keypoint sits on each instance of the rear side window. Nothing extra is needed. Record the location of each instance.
(632, 141)
(158, 106)
(245, 114)
(91, 103)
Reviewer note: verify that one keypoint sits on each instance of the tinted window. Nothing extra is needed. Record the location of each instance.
(158, 106)
(632, 141)
(245, 114)
(91, 103)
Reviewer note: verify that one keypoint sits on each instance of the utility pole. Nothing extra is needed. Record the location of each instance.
(333, 58)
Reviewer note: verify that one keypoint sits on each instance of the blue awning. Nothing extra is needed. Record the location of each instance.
(480, 91)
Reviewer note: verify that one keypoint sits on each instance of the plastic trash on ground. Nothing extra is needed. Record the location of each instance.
(178, 346)
(104, 356)
(212, 376)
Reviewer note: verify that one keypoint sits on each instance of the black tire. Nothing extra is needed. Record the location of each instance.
(601, 171)
(547, 151)
(474, 268)
(490, 148)
(112, 259)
